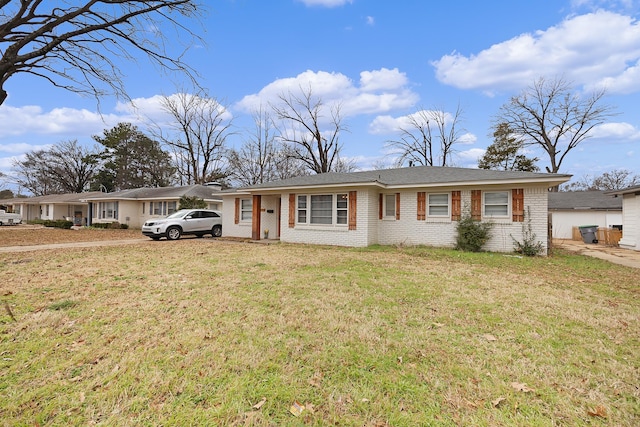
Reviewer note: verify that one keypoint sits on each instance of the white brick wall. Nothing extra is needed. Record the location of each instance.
(229, 228)
(630, 222)
(408, 230)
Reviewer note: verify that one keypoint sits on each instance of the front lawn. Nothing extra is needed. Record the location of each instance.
(206, 332)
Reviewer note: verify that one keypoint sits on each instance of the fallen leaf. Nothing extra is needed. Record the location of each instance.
(498, 401)
(296, 409)
(599, 411)
(316, 379)
(259, 404)
(400, 360)
(521, 387)
(489, 337)
(82, 397)
(309, 407)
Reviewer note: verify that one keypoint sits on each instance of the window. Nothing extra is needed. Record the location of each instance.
(171, 207)
(108, 210)
(155, 208)
(342, 203)
(323, 209)
(496, 203)
(439, 204)
(302, 209)
(246, 208)
(390, 206)
(207, 214)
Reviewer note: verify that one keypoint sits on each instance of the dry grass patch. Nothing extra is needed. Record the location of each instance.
(28, 235)
(204, 332)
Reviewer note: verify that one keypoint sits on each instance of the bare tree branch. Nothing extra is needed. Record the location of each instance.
(303, 127)
(75, 47)
(418, 145)
(550, 116)
(201, 127)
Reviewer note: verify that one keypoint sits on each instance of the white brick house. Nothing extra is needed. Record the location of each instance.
(630, 217)
(413, 206)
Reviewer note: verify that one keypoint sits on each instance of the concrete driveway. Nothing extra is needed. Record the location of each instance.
(612, 254)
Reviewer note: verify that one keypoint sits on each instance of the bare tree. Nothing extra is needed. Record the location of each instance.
(313, 139)
(201, 126)
(616, 179)
(429, 138)
(287, 165)
(344, 165)
(548, 115)
(255, 161)
(65, 168)
(74, 46)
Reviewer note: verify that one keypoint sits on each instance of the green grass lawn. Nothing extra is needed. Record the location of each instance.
(201, 332)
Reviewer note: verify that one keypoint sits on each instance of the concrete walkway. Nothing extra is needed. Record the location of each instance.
(14, 249)
(612, 254)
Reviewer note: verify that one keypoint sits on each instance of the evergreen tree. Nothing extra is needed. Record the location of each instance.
(504, 153)
(132, 160)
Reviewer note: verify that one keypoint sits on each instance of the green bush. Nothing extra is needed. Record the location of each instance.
(54, 223)
(472, 234)
(191, 202)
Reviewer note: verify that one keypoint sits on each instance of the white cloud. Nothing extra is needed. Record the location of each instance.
(371, 20)
(627, 82)
(20, 148)
(151, 109)
(468, 139)
(325, 3)
(471, 156)
(16, 121)
(587, 48)
(378, 91)
(386, 124)
(616, 131)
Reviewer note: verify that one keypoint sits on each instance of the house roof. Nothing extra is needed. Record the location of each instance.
(69, 198)
(629, 190)
(204, 192)
(584, 200)
(414, 176)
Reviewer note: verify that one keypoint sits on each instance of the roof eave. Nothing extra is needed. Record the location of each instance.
(550, 182)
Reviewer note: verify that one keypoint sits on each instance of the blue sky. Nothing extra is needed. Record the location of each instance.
(382, 61)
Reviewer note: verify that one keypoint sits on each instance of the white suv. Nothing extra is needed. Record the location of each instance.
(184, 221)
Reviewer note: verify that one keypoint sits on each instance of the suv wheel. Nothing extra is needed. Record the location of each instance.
(173, 233)
(216, 231)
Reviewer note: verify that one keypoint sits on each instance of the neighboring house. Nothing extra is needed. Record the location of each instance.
(570, 209)
(54, 206)
(133, 207)
(630, 217)
(414, 206)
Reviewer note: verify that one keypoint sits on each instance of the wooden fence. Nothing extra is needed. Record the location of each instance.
(605, 236)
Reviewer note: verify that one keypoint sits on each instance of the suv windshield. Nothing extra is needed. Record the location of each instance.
(178, 214)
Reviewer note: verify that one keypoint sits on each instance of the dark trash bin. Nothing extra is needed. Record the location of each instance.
(589, 233)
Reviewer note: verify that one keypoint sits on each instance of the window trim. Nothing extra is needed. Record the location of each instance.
(244, 210)
(307, 208)
(429, 205)
(507, 205)
(103, 209)
(386, 199)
